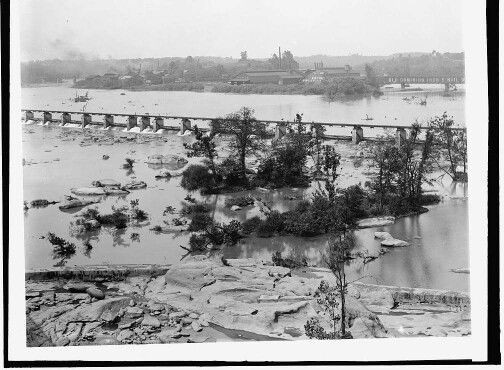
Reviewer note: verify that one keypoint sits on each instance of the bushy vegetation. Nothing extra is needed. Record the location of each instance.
(332, 89)
(119, 218)
(401, 172)
(62, 249)
(242, 201)
(208, 233)
(294, 259)
(129, 163)
(172, 86)
(197, 176)
(450, 144)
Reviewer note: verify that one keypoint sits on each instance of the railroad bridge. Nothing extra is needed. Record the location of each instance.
(404, 80)
(157, 122)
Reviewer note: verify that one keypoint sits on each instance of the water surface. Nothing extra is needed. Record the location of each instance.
(55, 162)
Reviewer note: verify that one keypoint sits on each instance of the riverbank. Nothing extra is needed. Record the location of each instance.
(338, 89)
(204, 300)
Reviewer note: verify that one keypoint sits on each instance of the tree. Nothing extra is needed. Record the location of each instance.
(204, 147)
(317, 130)
(371, 76)
(247, 133)
(386, 159)
(453, 143)
(336, 257)
(339, 254)
(288, 61)
(243, 56)
(274, 61)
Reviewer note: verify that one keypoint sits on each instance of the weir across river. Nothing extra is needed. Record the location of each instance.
(157, 122)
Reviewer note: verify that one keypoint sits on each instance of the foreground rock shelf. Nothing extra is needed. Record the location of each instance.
(202, 300)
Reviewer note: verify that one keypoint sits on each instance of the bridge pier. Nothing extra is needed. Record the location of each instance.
(400, 137)
(280, 131)
(86, 120)
(144, 122)
(158, 124)
(184, 126)
(357, 134)
(65, 118)
(29, 116)
(47, 117)
(132, 122)
(403, 85)
(108, 121)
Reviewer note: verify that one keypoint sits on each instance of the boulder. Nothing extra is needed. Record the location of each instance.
(89, 190)
(77, 287)
(196, 326)
(382, 235)
(150, 321)
(41, 203)
(75, 203)
(108, 316)
(177, 315)
(235, 208)
(163, 175)
(394, 243)
(134, 185)
(175, 161)
(95, 292)
(375, 222)
(106, 182)
(115, 191)
(134, 311)
(125, 334)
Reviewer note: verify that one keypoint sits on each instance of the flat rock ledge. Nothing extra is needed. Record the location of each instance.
(202, 300)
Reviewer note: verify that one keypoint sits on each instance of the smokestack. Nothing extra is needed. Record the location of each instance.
(279, 58)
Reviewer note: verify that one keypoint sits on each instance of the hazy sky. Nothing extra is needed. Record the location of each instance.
(156, 28)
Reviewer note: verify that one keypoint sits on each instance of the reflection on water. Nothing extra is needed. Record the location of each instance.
(56, 163)
(438, 243)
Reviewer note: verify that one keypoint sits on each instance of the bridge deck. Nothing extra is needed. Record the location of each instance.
(330, 124)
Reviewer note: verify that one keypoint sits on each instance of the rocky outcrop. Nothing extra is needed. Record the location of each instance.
(88, 190)
(106, 182)
(201, 299)
(392, 242)
(388, 240)
(375, 222)
(75, 203)
(134, 185)
(173, 161)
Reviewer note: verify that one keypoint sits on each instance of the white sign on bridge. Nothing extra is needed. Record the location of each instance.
(423, 80)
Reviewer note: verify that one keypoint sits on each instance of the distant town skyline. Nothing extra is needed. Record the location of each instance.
(124, 29)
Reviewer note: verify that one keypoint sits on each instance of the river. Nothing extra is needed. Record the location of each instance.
(55, 163)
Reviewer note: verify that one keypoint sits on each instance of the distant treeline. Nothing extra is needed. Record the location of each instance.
(427, 65)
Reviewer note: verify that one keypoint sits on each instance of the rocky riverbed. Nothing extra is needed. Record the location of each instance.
(207, 299)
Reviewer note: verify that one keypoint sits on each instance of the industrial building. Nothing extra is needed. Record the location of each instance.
(278, 77)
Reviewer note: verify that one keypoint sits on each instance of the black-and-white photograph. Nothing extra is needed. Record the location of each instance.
(244, 171)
